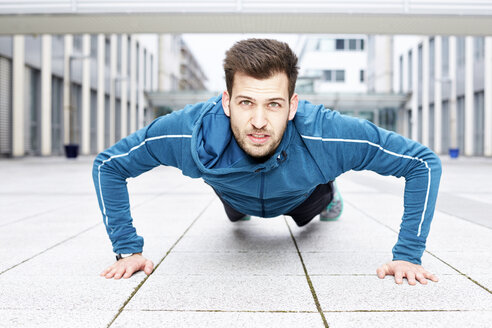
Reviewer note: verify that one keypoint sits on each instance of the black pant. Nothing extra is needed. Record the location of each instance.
(302, 214)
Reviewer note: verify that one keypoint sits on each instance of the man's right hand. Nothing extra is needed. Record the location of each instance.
(127, 266)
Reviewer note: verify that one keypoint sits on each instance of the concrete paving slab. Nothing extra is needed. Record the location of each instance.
(237, 241)
(216, 319)
(447, 319)
(55, 318)
(468, 262)
(231, 264)
(484, 280)
(361, 262)
(355, 293)
(21, 292)
(225, 293)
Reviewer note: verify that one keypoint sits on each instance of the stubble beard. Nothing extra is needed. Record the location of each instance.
(260, 155)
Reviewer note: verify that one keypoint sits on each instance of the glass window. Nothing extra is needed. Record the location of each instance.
(460, 49)
(340, 44)
(479, 48)
(410, 70)
(327, 76)
(118, 52)
(352, 44)
(340, 75)
(107, 51)
(362, 44)
(401, 74)
(361, 75)
(94, 46)
(445, 56)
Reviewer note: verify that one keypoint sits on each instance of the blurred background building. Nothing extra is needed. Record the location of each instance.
(79, 72)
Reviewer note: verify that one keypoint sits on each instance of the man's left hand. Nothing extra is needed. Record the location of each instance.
(401, 269)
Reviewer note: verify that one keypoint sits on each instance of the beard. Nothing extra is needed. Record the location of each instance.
(261, 152)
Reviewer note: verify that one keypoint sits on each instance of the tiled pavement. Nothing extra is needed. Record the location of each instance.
(259, 273)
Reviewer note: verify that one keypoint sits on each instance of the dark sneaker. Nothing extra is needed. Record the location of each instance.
(244, 218)
(333, 211)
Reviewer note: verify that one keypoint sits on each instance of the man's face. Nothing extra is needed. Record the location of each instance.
(259, 111)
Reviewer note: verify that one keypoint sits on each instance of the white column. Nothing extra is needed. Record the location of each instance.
(425, 91)
(140, 88)
(133, 84)
(469, 110)
(415, 92)
(453, 111)
(438, 95)
(112, 89)
(66, 89)
(46, 95)
(101, 43)
(18, 71)
(85, 144)
(488, 96)
(124, 85)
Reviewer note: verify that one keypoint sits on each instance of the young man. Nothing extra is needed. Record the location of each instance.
(266, 153)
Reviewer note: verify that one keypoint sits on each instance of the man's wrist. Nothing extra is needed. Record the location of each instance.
(120, 256)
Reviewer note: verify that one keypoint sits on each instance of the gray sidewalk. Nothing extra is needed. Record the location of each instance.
(259, 273)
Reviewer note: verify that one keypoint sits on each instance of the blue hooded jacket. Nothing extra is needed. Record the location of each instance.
(318, 145)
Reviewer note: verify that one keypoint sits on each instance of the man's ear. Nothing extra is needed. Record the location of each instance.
(294, 101)
(225, 103)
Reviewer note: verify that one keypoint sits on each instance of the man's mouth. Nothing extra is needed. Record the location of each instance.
(258, 138)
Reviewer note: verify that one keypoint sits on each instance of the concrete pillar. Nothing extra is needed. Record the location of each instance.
(469, 97)
(488, 96)
(124, 85)
(101, 43)
(133, 84)
(438, 95)
(85, 143)
(46, 95)
(112, 88)
(453, 110)
(425, 91)
(415, 92)
(18, 71)
(140, 88)
(67, 107)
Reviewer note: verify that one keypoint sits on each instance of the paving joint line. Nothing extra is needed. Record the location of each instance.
(158, 264)
(65, 240)
(310, 283)
(51, 247)
(437, 257)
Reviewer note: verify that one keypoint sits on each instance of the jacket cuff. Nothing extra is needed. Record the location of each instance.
(408, 249)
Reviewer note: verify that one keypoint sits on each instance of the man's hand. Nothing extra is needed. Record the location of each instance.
(127, 266)
(401, 269)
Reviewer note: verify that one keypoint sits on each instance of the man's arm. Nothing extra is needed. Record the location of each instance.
(131, 157)
(353, 144)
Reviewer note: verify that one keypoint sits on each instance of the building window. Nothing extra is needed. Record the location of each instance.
(340, 44)
(362, 44)
(327, 76)
(340, 76)
(361, 77)
(460, 49)
(107, 51)
(401, 74)
(431, 58)
(479, 48)
(77, 42)
(445, 56)
(118, 52)
(94, 46)
(410, 70)
(352, 44)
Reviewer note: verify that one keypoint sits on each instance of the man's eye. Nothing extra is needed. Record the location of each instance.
(274, 105)
(245, 102)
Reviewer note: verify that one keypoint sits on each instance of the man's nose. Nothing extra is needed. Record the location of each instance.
(259, 120)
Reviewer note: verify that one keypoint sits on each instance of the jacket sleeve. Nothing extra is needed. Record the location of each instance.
(361, 145)
(156, 144)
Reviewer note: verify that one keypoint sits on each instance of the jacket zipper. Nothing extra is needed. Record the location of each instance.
(261, 194)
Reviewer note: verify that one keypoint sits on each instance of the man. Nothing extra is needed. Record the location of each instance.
(266, 153)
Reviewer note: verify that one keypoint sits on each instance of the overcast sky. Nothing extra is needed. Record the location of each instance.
(209, 50)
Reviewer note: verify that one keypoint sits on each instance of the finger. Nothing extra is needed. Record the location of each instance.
(420, 277)
(111, 273)
(129, 271)
(411, 278)
(399, 277)
(149, 265)
(119, 273)
(381, 273)
(430, 276)
(109, 268)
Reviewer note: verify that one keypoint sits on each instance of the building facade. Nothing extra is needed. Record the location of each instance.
(73, 89)
(449, 81)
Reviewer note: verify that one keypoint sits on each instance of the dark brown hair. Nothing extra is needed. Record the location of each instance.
(260, 58)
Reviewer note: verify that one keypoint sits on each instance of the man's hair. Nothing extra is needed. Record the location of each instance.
(261, 59)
